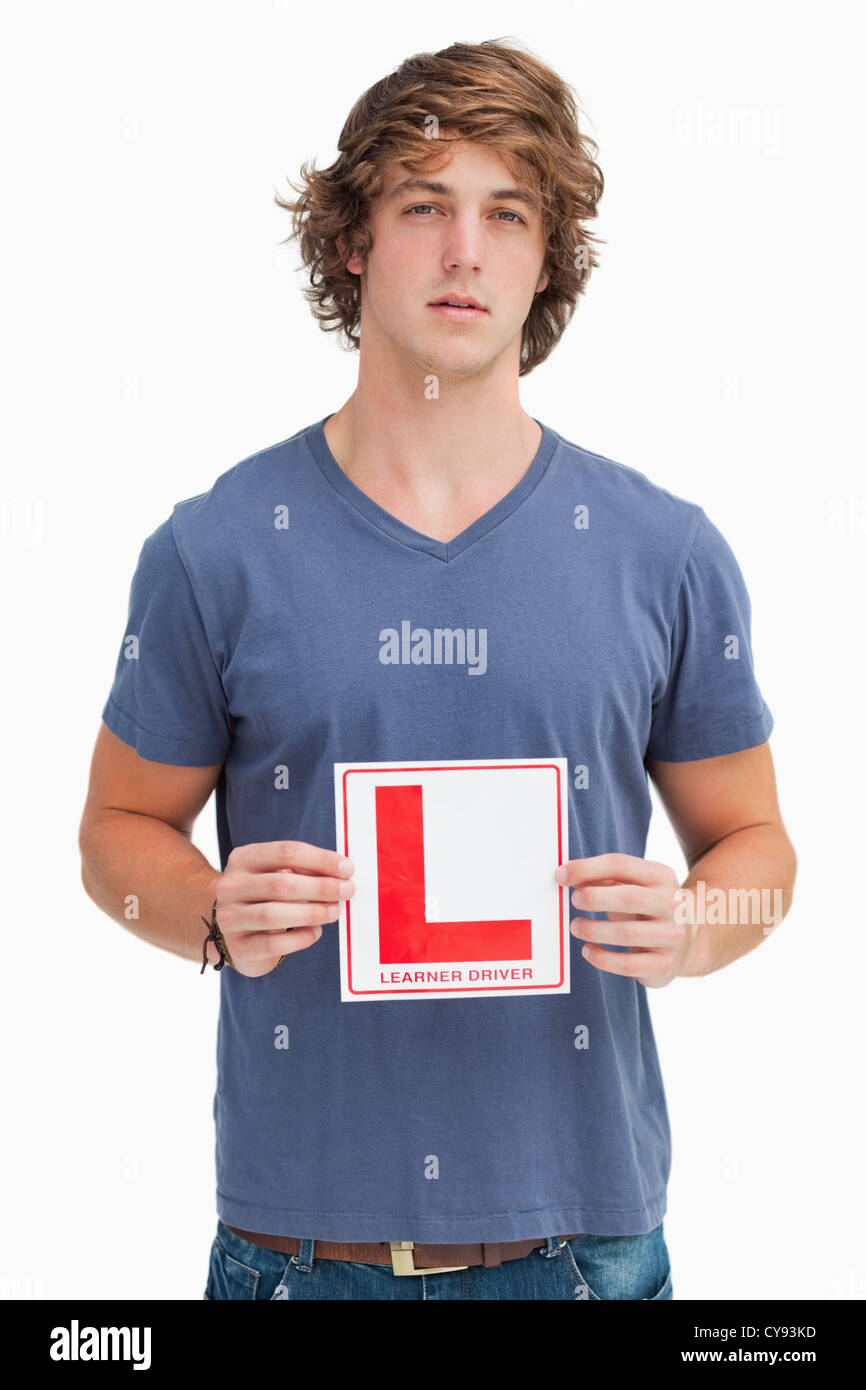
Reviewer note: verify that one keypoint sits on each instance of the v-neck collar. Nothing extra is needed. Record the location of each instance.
(407, 535)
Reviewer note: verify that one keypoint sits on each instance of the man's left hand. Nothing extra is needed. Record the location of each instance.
(640, 898)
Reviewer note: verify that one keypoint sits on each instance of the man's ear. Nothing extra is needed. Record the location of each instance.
(354, 264)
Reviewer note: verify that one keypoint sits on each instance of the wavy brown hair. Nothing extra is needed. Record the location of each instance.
(492, 93)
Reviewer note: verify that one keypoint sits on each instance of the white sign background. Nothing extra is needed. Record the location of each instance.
(494, 832)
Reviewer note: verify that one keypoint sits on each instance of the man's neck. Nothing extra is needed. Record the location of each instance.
(436, 467)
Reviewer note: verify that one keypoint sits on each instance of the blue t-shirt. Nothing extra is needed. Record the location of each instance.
(617, 630)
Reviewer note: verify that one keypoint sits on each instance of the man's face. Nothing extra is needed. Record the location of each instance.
(460, 231)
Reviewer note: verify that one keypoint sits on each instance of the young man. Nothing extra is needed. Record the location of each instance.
(494, 1146)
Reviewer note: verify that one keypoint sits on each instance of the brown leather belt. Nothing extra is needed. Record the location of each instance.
(404, 1256)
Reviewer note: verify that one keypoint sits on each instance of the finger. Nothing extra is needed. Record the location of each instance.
(612, 916)
(290, 887)
(297, 940)
(630, 898)
(620, 962)
(272, 855)
(268, 946)
(612, 866)
(244, 919)
(652, 935)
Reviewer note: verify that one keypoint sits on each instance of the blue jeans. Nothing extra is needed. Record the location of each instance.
(586, 1267)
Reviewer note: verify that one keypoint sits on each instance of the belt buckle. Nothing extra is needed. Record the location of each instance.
(403, 1261)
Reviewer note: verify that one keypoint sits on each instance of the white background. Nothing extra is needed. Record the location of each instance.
(155, 334)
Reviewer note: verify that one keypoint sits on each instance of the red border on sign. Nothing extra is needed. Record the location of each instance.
(486, 767)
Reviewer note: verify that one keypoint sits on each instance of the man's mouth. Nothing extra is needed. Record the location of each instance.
(458, 307)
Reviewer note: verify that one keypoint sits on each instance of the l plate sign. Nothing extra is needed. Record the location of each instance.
(454, 889)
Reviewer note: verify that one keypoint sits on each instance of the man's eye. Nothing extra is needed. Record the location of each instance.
(506, 211)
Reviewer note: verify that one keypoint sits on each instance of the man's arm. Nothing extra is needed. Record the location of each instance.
(726, 816)
(137, 860)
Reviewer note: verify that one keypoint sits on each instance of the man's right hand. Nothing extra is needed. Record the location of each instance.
(274, 897)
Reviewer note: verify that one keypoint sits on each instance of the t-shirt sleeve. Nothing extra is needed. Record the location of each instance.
(167, 699)
(711, 703)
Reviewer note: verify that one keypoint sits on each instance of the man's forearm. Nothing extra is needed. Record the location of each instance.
(737, 893)
(150, 878)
